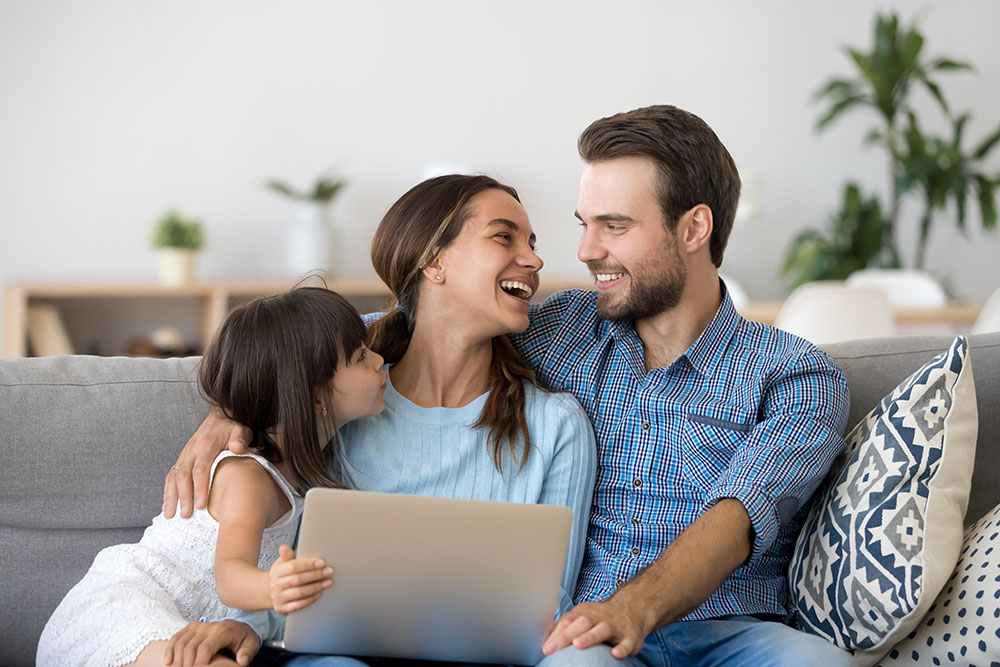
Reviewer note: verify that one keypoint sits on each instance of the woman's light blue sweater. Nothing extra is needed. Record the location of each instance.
(436, 452)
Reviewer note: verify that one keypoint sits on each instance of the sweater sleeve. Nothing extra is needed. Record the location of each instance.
(569, 481)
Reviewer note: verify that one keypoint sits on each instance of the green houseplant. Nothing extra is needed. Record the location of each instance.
(311, 240)
(931, 168)
(177, 240)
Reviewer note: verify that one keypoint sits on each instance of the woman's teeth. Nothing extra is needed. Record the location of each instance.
(516, 288)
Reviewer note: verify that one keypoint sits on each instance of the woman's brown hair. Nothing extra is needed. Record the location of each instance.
(421, 223)
(267, 364)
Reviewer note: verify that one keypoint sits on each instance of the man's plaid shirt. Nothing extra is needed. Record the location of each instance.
(747, 412)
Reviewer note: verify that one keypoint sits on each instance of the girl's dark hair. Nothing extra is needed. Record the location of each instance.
(266, 365)
(420, 224)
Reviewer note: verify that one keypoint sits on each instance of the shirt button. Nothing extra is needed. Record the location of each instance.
(637, 482)
(635, 551)
(645, 426)
(620, 582)
(635, 521)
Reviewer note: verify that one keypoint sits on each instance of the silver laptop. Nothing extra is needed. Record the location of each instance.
(431, 578)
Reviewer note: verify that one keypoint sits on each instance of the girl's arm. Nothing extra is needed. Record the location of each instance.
(245, 500)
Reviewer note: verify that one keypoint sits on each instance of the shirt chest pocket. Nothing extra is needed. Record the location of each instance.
(710, 440)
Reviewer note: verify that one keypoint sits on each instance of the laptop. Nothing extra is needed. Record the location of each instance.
(430, 578)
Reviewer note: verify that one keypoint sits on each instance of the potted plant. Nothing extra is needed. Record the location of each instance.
(311, 242)
(932, 169)
(177, 240)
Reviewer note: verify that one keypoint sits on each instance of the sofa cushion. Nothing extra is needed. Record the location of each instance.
(963, 624)
(86, 443)
(886, 527)
(875, 365)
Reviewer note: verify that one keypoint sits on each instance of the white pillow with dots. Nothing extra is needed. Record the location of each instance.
(963, 625)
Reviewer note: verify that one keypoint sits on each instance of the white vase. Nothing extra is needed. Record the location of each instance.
(311, 242)
(176, 266)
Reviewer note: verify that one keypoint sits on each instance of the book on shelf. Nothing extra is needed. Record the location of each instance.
(47, 333)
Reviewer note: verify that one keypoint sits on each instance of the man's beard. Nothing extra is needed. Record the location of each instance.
(654, 287)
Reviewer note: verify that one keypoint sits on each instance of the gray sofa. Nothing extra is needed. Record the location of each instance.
(85, 443)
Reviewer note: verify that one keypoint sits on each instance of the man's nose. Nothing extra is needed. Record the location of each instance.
(590, 247)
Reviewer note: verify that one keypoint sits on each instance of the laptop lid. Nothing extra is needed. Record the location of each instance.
(431, 578)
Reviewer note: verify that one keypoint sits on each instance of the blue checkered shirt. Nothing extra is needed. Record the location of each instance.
(747, 412)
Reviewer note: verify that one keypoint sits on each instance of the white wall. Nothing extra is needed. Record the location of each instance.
(112, 111)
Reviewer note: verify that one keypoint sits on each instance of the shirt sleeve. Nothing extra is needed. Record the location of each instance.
(544, 320)
(269, 625)
(788, 453)
(569, 481)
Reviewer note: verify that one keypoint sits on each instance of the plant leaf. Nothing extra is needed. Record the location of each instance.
(983, 149)
(987, 202)
(947, 65)
(838, 108)
(283, 189)
(935, 90)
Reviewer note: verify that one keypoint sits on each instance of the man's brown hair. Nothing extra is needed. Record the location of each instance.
(693, 165)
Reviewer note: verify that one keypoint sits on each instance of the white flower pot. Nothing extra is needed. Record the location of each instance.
(176, 266)
(311, 241)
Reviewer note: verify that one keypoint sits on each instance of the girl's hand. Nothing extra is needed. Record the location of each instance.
(297, 582)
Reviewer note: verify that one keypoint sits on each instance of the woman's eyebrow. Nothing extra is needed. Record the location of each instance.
(510, 224)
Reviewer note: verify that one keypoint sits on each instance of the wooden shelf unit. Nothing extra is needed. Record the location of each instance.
(213, 300)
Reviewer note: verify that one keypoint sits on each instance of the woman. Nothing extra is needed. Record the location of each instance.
(464, 416)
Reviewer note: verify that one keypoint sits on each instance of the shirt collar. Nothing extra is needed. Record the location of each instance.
(705, 353)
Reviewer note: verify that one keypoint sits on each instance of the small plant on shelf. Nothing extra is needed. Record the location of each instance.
(177, 240)
(176, 231)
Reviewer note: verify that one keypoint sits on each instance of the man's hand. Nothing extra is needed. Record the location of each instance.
(197, 643)
(188, 478)
(297, 582)
(613, 622)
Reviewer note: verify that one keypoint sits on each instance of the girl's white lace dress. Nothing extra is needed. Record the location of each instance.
(137, 593)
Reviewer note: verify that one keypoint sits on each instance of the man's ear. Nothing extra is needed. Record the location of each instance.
(695, 228)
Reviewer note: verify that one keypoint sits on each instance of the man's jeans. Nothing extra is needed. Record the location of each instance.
(735, 640)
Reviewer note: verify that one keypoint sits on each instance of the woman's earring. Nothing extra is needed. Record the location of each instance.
(324, 411)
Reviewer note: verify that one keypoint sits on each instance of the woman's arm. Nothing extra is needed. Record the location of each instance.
(569, 481)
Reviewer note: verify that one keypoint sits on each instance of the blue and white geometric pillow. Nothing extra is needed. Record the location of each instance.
(885, 529)
(963, 624)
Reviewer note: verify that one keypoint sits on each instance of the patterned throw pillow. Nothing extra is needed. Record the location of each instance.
(963, 625)
(885, 529)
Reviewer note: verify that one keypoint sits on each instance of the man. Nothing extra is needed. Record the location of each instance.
(713, 432)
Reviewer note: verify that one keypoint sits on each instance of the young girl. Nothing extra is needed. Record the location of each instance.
(294, 369)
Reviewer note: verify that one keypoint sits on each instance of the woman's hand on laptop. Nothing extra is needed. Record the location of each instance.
(297, 582)
(188, 478)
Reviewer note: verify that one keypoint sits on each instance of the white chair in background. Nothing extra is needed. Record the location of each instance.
(832, 311)
(736, 292)
(905, 288)
(989, 317)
